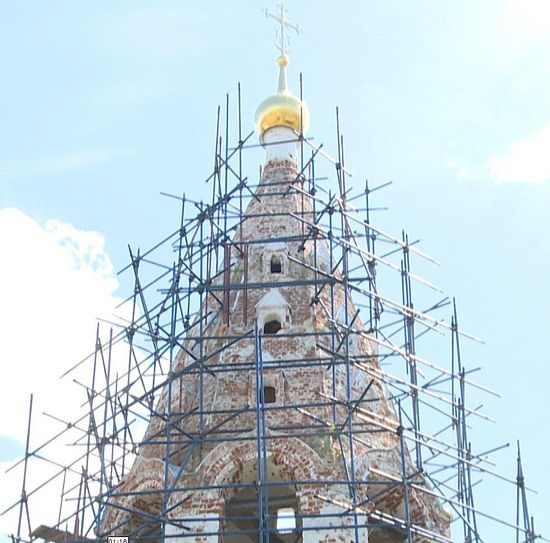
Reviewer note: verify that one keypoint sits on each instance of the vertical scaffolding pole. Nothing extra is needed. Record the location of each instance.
(527, 535)
(410, 347)
(226, 282)
(23, 503)
(263, 485)
(464, 483)
(346, 235)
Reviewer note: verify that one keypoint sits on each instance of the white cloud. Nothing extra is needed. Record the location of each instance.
(55, 280)
(53, 165)
(527, 160)
(523, 22)
(515, 35)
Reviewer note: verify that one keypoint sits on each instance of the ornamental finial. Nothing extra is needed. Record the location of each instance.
(281, 37)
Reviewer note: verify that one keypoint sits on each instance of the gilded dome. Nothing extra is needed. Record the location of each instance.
(282, 108)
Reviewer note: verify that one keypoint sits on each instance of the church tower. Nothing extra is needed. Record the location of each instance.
(275, 422)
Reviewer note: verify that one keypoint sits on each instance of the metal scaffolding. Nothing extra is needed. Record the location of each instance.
(150, 386)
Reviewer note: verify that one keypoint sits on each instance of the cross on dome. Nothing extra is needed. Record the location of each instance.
(282, 110)
(282, 40)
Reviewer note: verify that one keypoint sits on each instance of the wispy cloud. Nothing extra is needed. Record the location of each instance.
(55, 165)
(10, 448)
(462, 171)
(523, 22)
(153, 33)
(527, 160)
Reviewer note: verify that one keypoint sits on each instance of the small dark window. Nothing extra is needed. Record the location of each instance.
(275, 264)
(269, 394)
(272, 327)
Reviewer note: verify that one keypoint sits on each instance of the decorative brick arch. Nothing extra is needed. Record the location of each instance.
(388, 459)
(225, 463)
(422, 505)
(149, 476)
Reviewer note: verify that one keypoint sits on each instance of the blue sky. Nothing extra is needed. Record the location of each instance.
(106, 104)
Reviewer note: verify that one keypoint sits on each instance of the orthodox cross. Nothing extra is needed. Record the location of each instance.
(281, 38)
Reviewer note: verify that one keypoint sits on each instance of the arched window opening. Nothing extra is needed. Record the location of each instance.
(269, 394)
(276, 265)
(272, 327)
(145, 522)
(282, 518)
(286, 520)
(323, 258)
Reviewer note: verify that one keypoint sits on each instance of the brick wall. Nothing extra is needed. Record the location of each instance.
(214, 402)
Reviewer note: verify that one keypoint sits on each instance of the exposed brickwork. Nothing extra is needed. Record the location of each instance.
(302, 444)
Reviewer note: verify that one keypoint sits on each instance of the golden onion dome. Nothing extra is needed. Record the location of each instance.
(282, 109)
